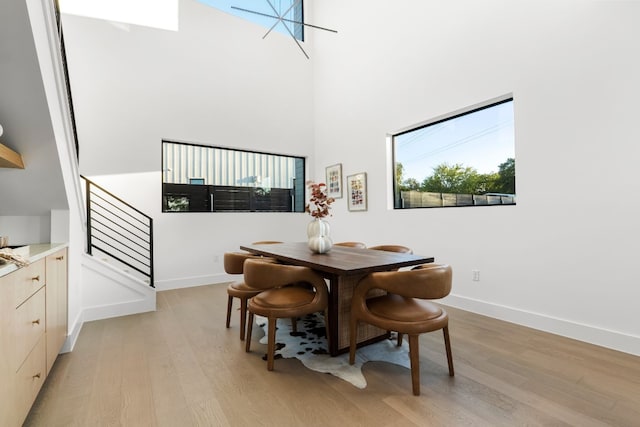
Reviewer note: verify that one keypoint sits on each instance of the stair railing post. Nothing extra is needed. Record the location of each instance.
(88, 201)
(151, 278)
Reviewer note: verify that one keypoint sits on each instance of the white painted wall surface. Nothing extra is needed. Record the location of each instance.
(24, 230)
(24, 115)
(565, 258)
(214, 81)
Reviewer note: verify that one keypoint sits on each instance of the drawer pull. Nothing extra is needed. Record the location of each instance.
(36, 376)
(36, 278)
(60, 258)
(35, 322)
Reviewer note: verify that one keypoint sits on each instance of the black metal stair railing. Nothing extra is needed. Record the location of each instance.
(119, 230)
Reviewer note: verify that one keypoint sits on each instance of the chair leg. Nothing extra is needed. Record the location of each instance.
(229, 304)
(399, 339)
(447, 345)
(414, 357)
(353, 332)
(294, 325)
(247, 346)
(243, 317)
(271, 343)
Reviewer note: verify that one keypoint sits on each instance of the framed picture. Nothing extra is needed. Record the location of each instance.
(357, 192)
(334, 181)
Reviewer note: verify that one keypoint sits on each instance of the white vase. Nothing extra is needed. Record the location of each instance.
(318, 236)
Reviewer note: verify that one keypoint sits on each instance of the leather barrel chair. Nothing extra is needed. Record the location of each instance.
(392, 248)
(404, 309)
(234, 264)
(358, 245)
(287, 291)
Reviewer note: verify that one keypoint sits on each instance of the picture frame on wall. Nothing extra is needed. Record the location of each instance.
(357, 192)
(334, 180)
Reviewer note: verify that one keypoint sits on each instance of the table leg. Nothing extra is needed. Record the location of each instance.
(334, 286)
(340, 295)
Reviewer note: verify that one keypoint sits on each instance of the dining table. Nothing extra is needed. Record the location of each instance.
(343, 267)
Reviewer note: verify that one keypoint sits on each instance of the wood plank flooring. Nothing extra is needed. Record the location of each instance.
(180, 366)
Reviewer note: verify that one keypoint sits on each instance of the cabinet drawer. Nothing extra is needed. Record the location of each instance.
(28, 280)
(28, 327)
(29, 380)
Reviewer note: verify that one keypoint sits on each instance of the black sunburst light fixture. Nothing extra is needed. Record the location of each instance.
(280, 18)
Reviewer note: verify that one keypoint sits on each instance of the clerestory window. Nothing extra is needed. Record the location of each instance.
(201, 178)
(284, 16)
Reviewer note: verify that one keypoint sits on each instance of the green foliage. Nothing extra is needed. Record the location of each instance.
(462, 180)
(506, 182)
(410, 184)
(405, 185)
(451, 179)
(399, 172)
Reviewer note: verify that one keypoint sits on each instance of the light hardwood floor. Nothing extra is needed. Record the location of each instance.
(179, 366)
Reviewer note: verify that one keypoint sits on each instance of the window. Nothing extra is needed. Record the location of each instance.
(201, 178)
(466, 158)
(262, 13)
(162, 14)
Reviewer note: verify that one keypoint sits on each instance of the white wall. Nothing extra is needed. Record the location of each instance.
(558, 260)
(35, 190)
(215, 81)
(563, 259)
(23, 230)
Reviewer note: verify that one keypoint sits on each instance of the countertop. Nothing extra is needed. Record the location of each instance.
(36, 252)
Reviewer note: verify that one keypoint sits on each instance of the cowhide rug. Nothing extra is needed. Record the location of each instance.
(309, 345)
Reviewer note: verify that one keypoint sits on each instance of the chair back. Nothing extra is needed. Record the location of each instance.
(392, 248)
(433, 281)
(266, 275)
(266, 242)
(234, 261)
(358, 245)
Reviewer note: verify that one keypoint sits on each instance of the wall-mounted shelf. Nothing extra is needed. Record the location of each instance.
(10, 159)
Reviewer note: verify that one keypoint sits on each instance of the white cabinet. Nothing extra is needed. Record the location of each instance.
(33, 327)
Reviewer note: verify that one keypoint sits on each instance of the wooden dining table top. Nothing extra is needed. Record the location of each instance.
(340, 260)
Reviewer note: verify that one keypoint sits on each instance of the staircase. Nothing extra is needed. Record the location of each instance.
(118, 264)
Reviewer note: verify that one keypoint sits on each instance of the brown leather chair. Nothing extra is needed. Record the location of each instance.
(392, 248)
(283, 296)
(358, 245)
(234, 264)
(404, 309)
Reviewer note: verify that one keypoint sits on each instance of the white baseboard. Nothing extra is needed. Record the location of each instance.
(105, 312)
(133, 307)
(593, 335)
(120, 309)
(187, 282)
(587, 333)
(72, 337)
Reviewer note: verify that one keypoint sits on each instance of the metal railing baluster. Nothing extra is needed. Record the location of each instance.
(110, 223)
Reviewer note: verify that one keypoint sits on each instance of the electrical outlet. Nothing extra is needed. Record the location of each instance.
(476, 275)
